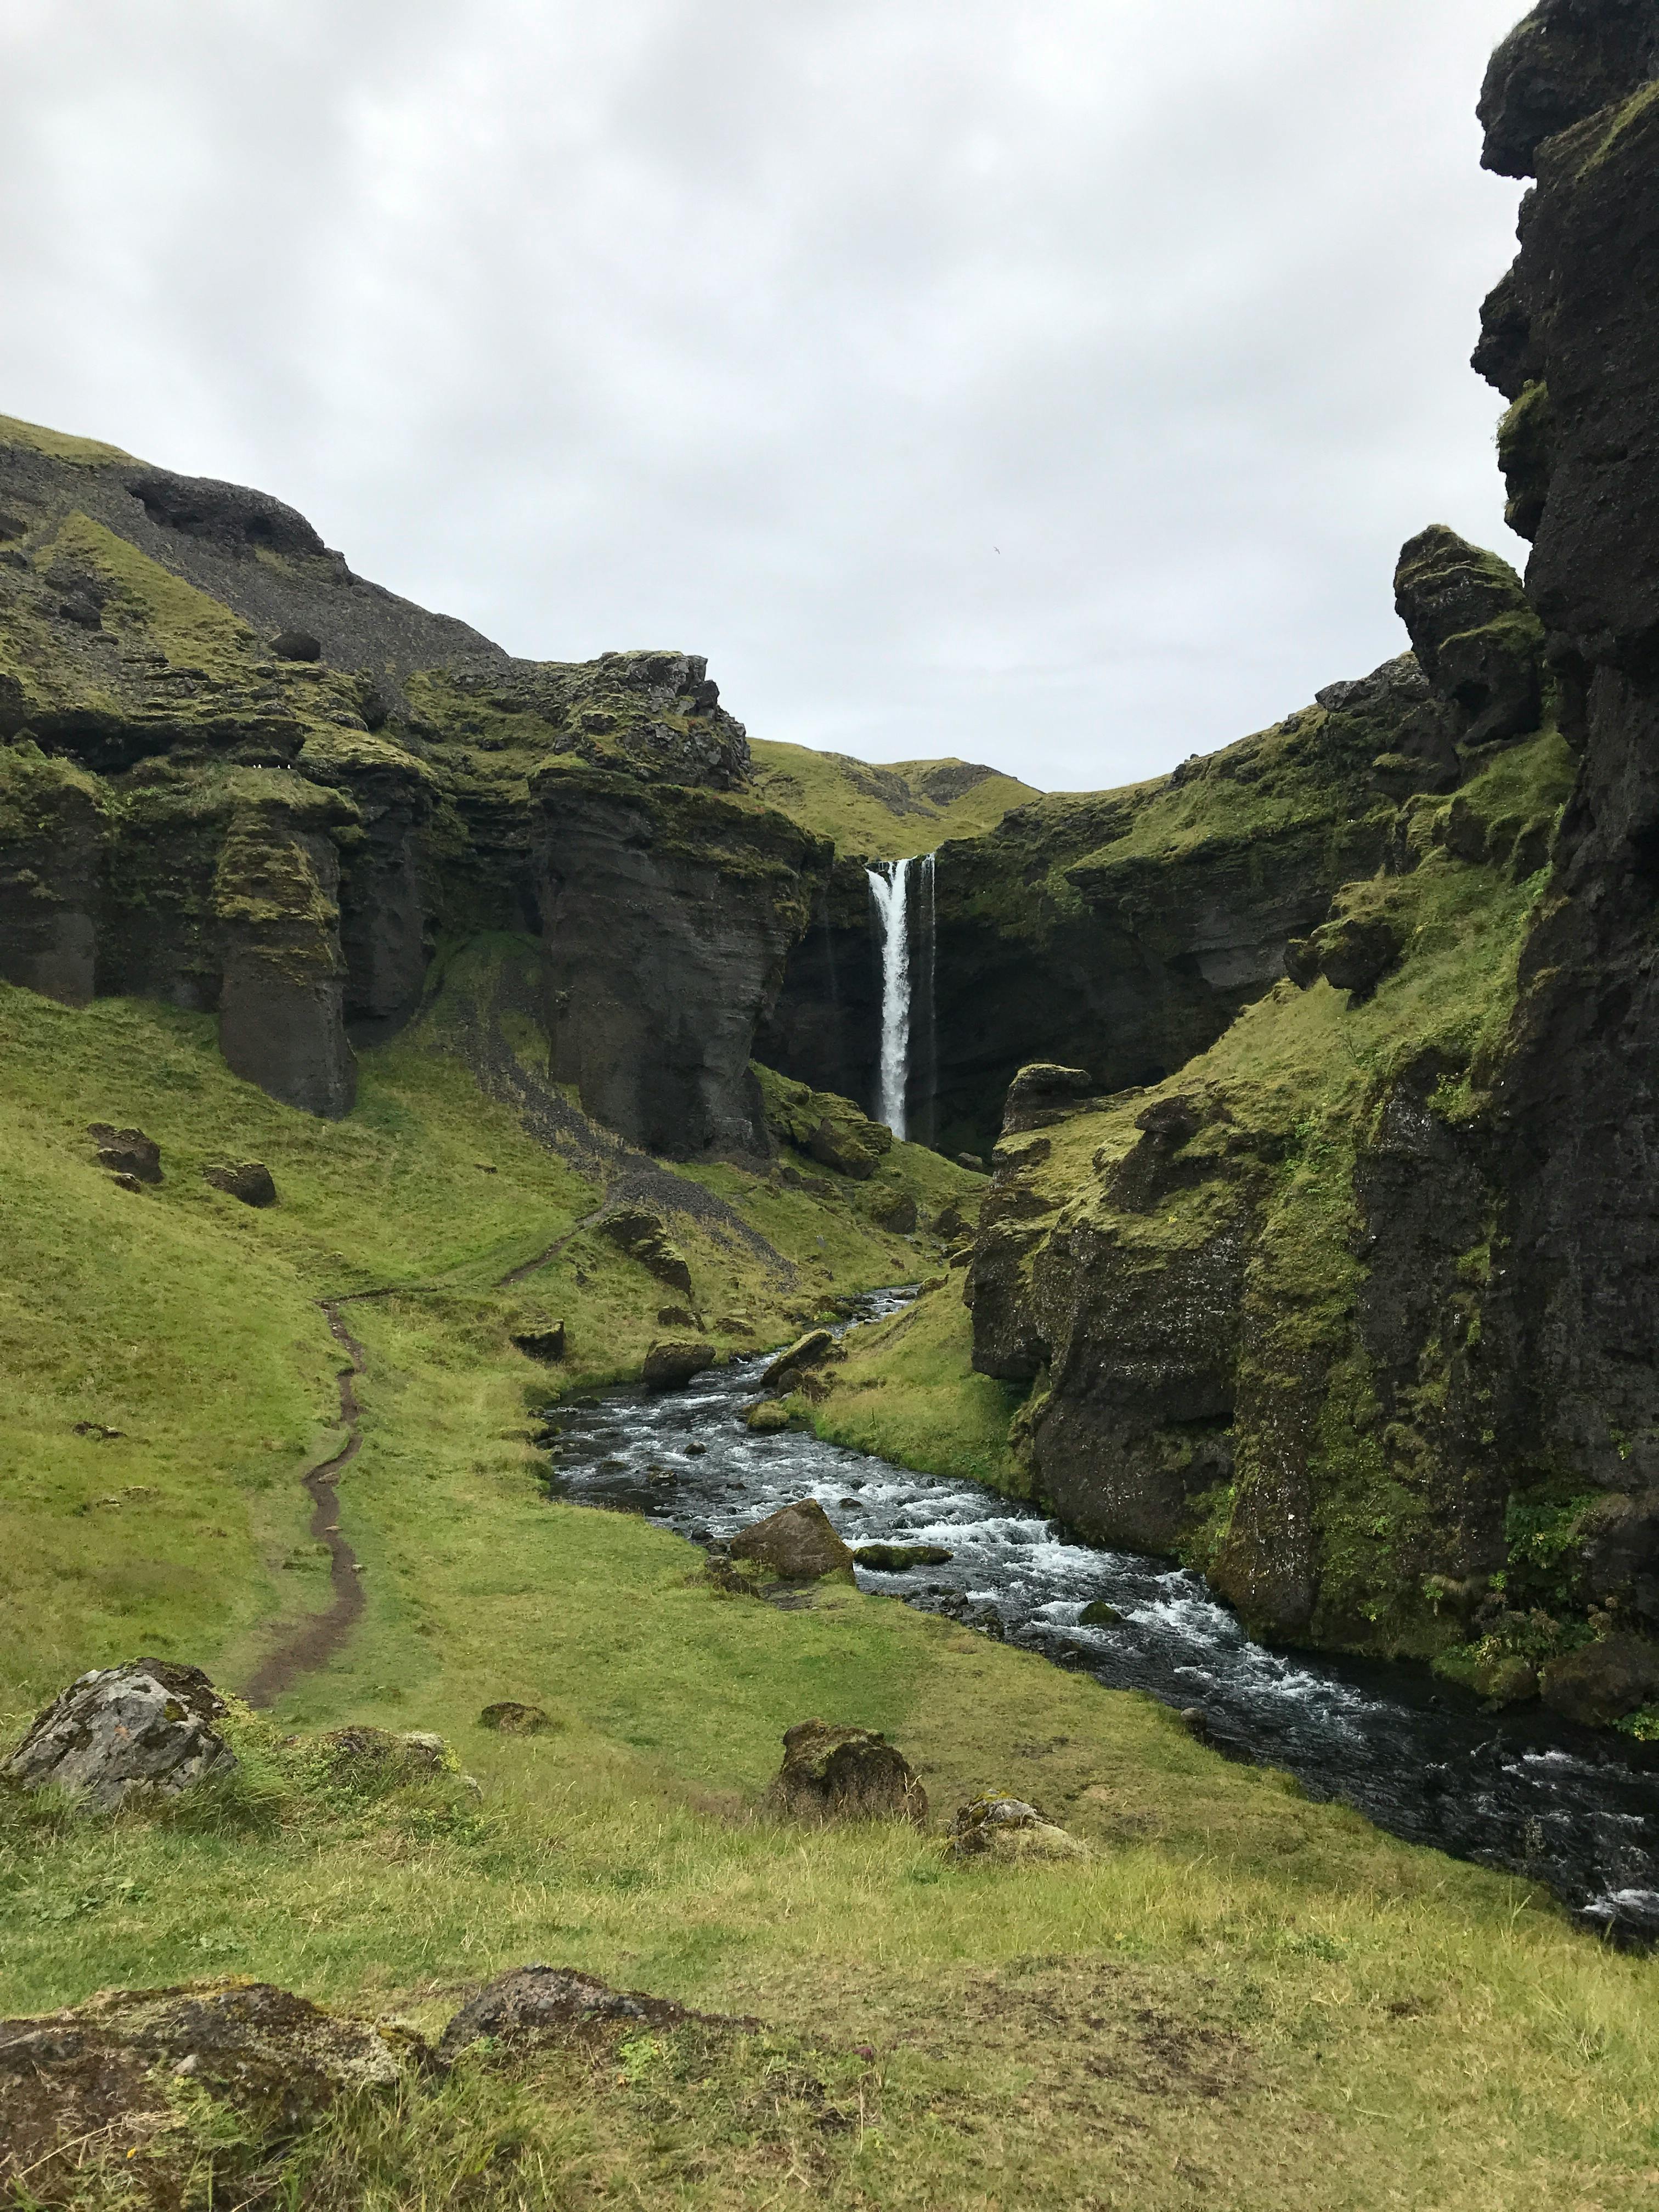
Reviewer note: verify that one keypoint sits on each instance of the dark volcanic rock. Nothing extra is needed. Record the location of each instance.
(151, 1724)
(296, 645)
(96, 2074)
(126, 1152)
(1566, 60)
(673, 1362)
(537, 2004)
(542, 1339)
(1479, 642)
(1604, 1681)
(666, 915)
(834, 1773)
(798, 1543)
(251, 1181)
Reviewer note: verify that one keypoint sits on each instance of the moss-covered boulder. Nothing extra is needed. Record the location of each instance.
(673, 1362)
(799, 1543)
(1479, 642)
(832, 1772)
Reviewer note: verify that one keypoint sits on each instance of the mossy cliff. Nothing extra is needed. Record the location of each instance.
(1355, 1309)
(235, 776)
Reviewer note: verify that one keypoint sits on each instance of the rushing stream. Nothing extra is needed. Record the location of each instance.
(1518, 1791)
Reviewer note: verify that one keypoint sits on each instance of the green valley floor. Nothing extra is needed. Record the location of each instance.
(1241, 2000)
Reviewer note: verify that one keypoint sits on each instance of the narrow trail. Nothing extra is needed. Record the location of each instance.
(317, 1638)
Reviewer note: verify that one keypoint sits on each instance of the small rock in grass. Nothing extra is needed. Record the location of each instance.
(798, 1543)
(373, 1755)
(126, 1152)
(544, 1340)
(997, 1826)
(900, 1559)
(250, 1181)
(673, 1362)
(535, 2004)
(896, 1214)
(835, 1774)
(149, 1724)
(676, 1317)
(511, 1719)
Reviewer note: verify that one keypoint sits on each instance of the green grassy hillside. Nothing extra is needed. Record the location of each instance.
(1240, 2000)
(885, 813)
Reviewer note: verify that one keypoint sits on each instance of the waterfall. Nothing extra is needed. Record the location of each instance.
(889, 895)
(903, 1022)
(928, 919)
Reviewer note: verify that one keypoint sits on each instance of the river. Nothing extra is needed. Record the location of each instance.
(1517, 1791)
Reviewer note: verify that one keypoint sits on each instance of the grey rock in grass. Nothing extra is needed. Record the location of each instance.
(540, 2004)
(151, 1724)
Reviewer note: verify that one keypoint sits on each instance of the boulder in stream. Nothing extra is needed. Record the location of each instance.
(674, 1361)
(799, 1543)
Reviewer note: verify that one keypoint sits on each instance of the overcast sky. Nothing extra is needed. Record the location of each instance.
(1050, 382)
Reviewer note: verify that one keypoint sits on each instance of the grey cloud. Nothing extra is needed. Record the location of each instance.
(1049, 385)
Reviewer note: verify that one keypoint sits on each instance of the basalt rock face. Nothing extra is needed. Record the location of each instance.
(235, 776)
(1356, 1312)
(1579, 1102)
(666, 919)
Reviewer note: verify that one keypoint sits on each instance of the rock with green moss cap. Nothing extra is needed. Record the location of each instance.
(799, 1543)
(833, 1773)
(1480, 643)
(675, 1361)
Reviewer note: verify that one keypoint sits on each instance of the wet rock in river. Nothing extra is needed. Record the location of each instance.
(835, 1774)
(149, 1725)
(900, 1559)
(807, 1352)
(1099, 1614)
(768, 1418)
(675, 1361)
(799, 1543)
(1606, 1679)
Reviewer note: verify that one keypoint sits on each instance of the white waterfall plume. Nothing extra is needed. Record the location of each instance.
(889, 895)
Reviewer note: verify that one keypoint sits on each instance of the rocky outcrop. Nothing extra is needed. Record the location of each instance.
(996, 1825)
(98, 2074)
(150, 1725)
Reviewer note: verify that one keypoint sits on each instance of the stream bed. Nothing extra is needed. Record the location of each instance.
(1517, 1791)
